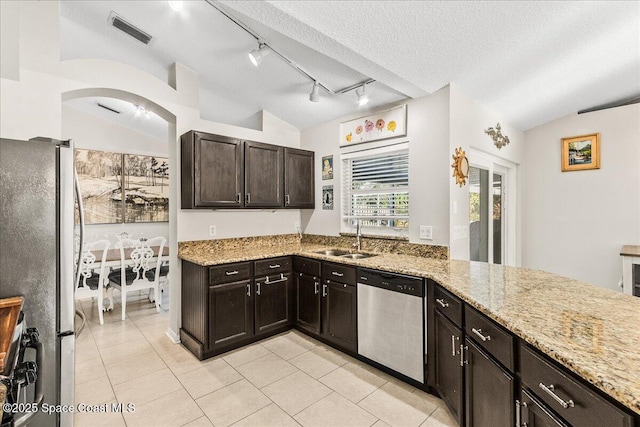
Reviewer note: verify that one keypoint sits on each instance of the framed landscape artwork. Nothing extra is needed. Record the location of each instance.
(119, 188)
(146, 188)
(100, 179)
(581, 152)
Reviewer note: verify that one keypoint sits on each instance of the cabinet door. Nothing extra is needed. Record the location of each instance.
(299, 187)
(448, 369)
(308, 303)
(489, 390)
(263, 174)
(272, 303)
(230, 313)
(339, 315)
(212, 171)
(536, 414)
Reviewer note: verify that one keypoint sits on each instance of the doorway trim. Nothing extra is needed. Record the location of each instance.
(508, 169)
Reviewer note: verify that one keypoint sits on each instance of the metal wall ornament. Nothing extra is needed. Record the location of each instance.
(460, 166)
(499, 140)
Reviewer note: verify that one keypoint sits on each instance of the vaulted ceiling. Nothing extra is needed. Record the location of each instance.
(531, 62)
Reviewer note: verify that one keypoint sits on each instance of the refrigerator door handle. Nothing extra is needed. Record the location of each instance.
(65, 232)
(81, 220)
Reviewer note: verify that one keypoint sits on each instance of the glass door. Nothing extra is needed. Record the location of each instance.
(487, 213)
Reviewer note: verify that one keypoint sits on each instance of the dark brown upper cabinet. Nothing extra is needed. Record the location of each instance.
(224, 172)
(299, 187)
(212, 171)
(263, 174)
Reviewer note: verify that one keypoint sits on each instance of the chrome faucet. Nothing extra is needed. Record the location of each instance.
(358, 243)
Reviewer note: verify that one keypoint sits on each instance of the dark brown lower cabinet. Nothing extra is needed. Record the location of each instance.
(489, 390)
(231, 316)
(448, 368)
(339, 314)
(308, 302)
(533, 413)
(272, 303)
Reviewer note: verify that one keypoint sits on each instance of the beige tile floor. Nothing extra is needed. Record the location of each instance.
(286, 380)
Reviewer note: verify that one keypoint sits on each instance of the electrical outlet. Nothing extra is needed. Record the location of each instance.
(212, 230)
(426, 232)
(296, 226)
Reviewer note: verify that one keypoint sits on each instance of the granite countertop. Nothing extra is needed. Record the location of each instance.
(592, 331)
(630, 250)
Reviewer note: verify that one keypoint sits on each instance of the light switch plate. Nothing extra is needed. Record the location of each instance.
(212, 230)
(426, 232)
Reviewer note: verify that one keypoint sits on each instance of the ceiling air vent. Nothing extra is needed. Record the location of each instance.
(126, 27)
(108, 108)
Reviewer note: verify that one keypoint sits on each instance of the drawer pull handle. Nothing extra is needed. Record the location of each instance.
(315, 288)
(248, 290)
(442, 302)
(238, 198)
(248, 199)
(453, 345)
(270, 282)
(478, 332)
(287, 200)
(462, 349)
(335, 273)
(274, 266)
(550, 391)
(258, 289)
(324, 291)
(231, 273)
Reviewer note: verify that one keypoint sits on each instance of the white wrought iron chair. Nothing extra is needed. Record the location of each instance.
(90, 284)
(139, 268)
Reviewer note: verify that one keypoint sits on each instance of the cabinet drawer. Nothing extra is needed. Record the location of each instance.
(270, 266)
(229, 273)
(584, 406)
(338, 273)
(490, 336)
(307, 266)
(448, 305)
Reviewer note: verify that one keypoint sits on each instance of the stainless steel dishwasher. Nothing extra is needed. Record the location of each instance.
(391, 321)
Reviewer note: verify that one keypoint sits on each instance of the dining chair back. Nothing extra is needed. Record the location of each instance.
(140, 262)
(92, 278)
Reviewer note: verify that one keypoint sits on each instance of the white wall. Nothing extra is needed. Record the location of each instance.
(468, 120)
(93, 133)
(428, 136)
(576, 222)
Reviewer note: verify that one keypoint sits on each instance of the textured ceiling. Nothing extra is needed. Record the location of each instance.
(531, 62)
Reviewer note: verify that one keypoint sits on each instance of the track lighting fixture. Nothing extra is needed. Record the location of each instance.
(314, 96)
(363, 98)
(256, 55)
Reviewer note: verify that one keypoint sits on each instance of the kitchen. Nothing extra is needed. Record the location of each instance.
(545, 232)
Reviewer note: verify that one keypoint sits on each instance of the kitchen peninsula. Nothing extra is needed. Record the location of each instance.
(582, 328)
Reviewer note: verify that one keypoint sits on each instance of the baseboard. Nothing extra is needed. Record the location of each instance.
(175, 338)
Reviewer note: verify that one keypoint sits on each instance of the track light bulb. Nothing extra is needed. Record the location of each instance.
(314, 96)
(256, 55)
(176, 5)
(363, 98)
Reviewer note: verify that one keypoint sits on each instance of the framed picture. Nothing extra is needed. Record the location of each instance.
(327, 197)
(327, 167)
(146, 188)
(581, 152)
(385, 124)
(100, 179)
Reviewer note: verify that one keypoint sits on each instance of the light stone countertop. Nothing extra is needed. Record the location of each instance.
(630, 250)
(592, 331)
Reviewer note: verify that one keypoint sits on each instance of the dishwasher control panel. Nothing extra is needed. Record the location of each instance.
(391, 281)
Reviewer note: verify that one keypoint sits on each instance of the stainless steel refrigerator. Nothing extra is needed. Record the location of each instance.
(36, 257)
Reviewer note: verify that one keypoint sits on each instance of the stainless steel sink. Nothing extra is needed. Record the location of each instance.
(333, 252)
(341, 253)
(356, 256)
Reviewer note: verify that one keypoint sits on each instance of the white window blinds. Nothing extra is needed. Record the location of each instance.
(376, 190)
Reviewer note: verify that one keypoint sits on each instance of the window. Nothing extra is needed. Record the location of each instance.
(376, 190)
